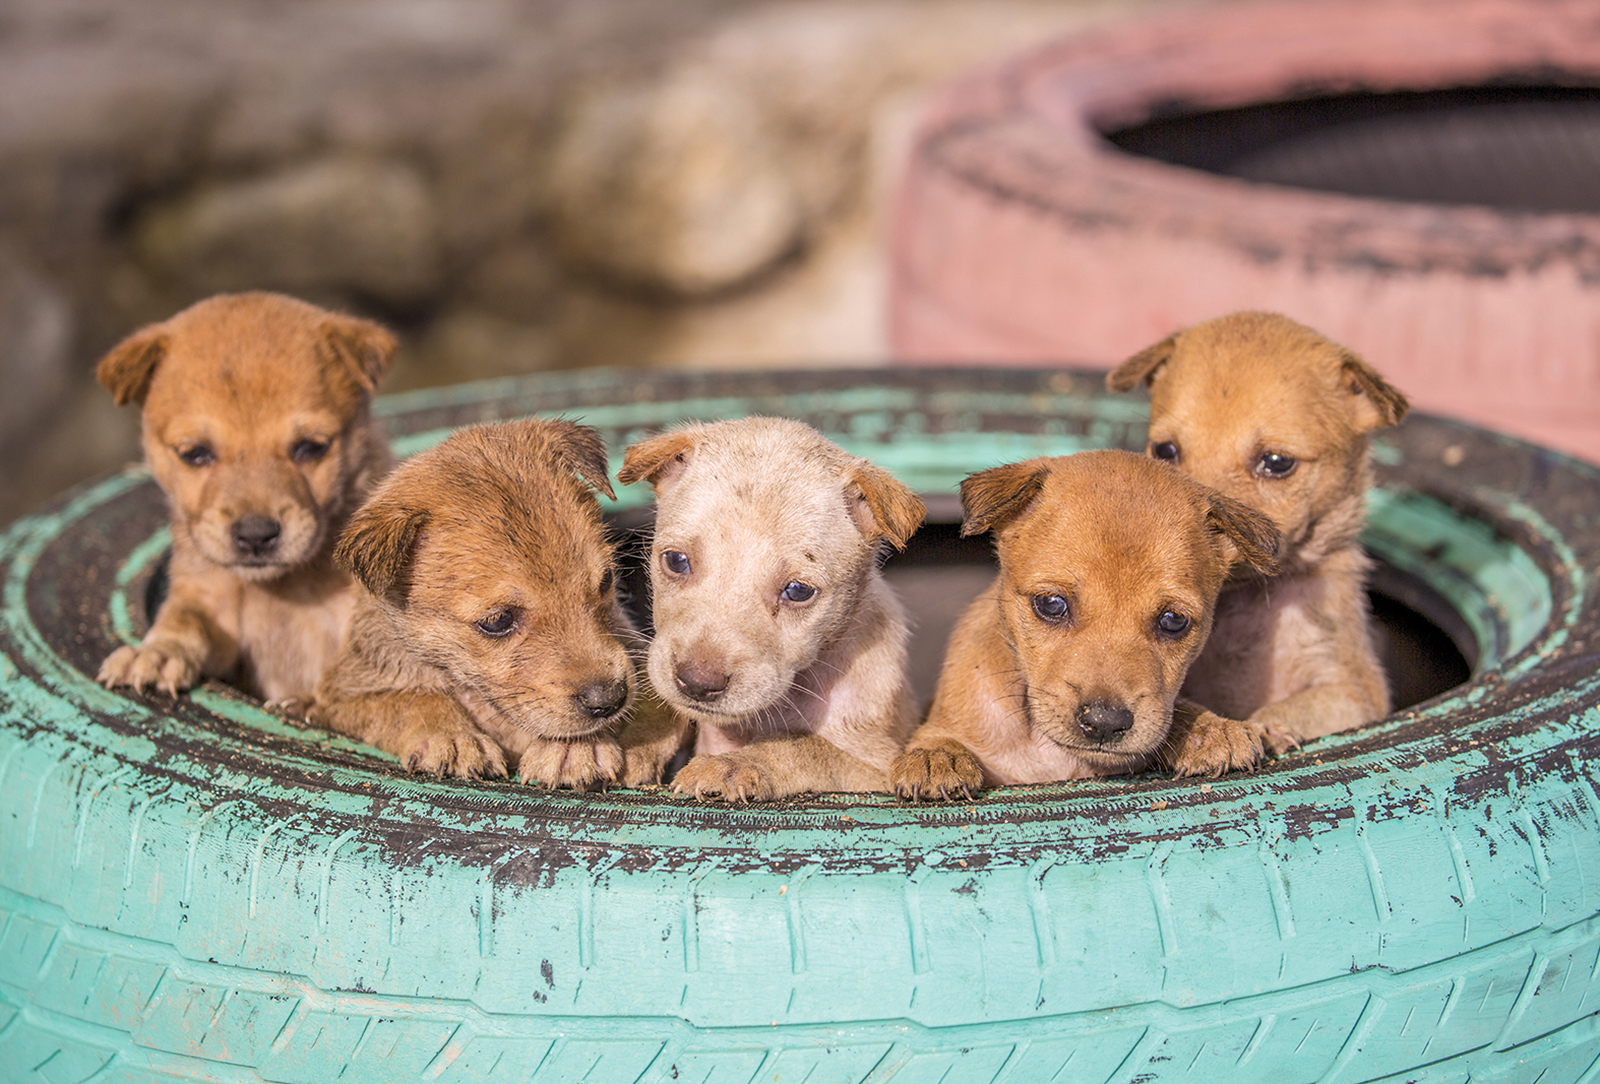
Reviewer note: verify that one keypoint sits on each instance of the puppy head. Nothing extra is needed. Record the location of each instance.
(488, 558)
(1110, 565)
(255, 411)
(766, 535)
(1270, 413)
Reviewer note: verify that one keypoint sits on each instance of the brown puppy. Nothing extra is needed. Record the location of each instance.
(488, 625)
(1274, 415)
(1070, 665)
(776, 636)
(256, 425)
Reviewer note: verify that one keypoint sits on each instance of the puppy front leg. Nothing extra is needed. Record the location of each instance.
(935, 768)
(651, 737)
(585, 763)
(183, 643)
(428, 731)
(1201, 742)
(775, 768)
(1322, 709)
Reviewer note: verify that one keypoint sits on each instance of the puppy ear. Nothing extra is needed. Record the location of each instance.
(362, 348)
(882, 505)
(659, 459)
(126, 371)
(991, 497)
(377, 545)
(585, 452)
(1143, 367)
(1250, 535)
(1378, 403)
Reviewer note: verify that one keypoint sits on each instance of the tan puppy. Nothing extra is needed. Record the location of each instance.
(256, 425)
(488, 625)
(1274, 415)
(776, 636)
(1070, 664)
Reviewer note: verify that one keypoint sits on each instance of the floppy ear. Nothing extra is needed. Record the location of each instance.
(991, 497)
(1143, 366)
(659, 459)
(126, 371)
(377, 546)
(362, 348)
(1250, 535)
(882, 505)
(1378, 403)
(585, 452)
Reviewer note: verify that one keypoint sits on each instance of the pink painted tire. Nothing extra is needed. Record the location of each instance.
(1022, 235)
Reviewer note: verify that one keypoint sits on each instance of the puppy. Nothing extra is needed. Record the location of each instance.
(1276, 416)
(1070, 664)
(256, 424)
(777, 640)
(488, 629)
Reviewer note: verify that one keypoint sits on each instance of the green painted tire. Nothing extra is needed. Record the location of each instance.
(201, 891)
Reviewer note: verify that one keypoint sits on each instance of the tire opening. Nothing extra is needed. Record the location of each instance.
(1515, 147)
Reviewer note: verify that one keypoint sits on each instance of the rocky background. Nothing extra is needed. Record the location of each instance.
(513, 185)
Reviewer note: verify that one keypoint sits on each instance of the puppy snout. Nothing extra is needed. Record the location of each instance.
(701, 679)
(1103, 722)
(603, 699)
(256, 535)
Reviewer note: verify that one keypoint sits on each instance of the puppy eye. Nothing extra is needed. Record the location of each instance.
(798, 592)
(1165, 449)
(498, 624)
(1052, 609)
(198, 455)
(1173, 623)
(675, 562)
(606, 581)
(1274, 465)
(308, 451)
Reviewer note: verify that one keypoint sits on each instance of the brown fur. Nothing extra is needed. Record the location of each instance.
(277, 390)
(496, 527)
(1291, 653)
(815, 695)
(1119, 541)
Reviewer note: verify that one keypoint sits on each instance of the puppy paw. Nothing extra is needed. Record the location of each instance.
(1212, 745)
(1277, 739)
(586, 764)
(149, 665)
(727, 776)
(458, 752)
(943, 771)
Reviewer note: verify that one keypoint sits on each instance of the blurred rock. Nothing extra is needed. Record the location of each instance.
(673, 187)
(35, 333)
(344, 226)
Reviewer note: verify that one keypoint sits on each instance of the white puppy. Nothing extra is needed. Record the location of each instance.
(776, 638)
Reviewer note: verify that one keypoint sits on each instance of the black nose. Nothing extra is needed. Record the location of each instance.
(603, 698)
(701, 679)
(1104, 722)
(256, 536)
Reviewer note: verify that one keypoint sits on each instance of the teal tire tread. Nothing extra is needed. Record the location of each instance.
(197, 889)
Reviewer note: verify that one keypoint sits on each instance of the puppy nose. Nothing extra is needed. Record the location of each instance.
(603, 698)
(701, 679)
(255, 535)
(1104, 722)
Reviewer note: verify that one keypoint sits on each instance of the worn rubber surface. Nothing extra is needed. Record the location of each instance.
(199, 890)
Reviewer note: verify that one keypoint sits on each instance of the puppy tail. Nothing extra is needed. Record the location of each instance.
(1253, 536)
